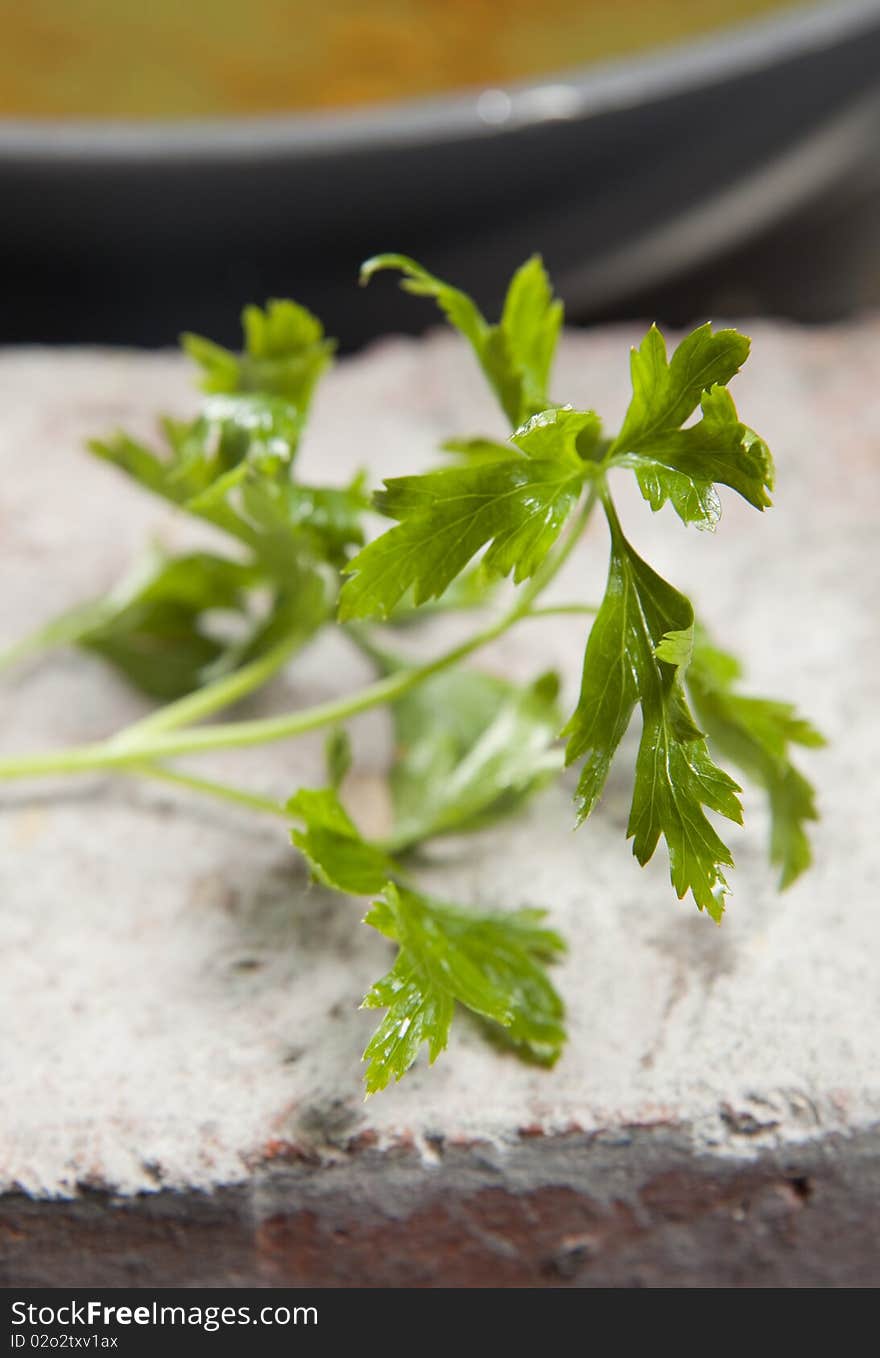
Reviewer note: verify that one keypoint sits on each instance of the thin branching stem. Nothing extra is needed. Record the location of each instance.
(157, 740)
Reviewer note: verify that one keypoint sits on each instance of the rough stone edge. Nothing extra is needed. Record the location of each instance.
(632, 1208)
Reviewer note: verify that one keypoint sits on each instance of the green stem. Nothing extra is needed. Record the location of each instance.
(122, 752)
(62, 630)
(252, 800)
(553, 610)
(119, 753)
(24, 649)
(386, 662)
(210, 699)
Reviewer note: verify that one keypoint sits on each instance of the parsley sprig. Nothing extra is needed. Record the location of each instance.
(199, 630)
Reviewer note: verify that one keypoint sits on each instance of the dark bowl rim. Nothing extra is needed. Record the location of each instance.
(574, 94)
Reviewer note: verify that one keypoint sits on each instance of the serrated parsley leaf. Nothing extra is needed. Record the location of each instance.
(637, 646)
(205, 457)
(230, 432)
(560, 434)
(666, 392)
(683, 466)
(285, 352)
(473, 589)
(493, 964)
(470, 748)
(335, 850)
(233, 466)
(478, 449)
(516, 355)
(290, 517)
(756, 734)
(517, 507)
(527, 336)
(246, 437)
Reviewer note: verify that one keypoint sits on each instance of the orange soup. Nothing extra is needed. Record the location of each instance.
(204, 58)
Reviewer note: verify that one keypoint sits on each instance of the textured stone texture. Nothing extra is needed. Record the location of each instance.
(180, 1034)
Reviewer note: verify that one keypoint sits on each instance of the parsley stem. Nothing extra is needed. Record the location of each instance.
(24, 649)
(207, 787)
(262, 730)
(212, 698)
(115, 753)
(61, 630)
(553, 610)
(123, 751)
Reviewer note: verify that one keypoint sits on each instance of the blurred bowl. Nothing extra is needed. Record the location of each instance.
(624, 176)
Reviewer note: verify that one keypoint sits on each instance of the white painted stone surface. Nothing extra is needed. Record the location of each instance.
(178, 1004)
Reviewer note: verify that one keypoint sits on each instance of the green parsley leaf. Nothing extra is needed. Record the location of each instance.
(294, 615)
(525, 340)
(337, 853)
(493, 964)
(176, 623)
(517, 507)
(232, 466)
(470, 749)
(638, 644)
(561, 434)
(248, 432)
(479, 449)
(666, 392)
(473, 589)
(156, 626)
(516, 355)
(683, 465)
(285, 353)
(756, 734)
(206, 456)
(323, 520)
(229, 433)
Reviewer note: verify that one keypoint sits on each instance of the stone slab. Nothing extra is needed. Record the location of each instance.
(180, 1032)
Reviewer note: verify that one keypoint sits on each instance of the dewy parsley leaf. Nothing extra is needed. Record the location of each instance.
(285, 353)
(207, 456)
(478, 449)
(470, 748)
(516, 355)
(756, 734)
(324, 522)
(335, 850)
(666, 392)
(683, 465)
(233, 466)
(517, 507)
(491, 963)
(639, 642)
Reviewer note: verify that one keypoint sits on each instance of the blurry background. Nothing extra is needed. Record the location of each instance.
(161, 165)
